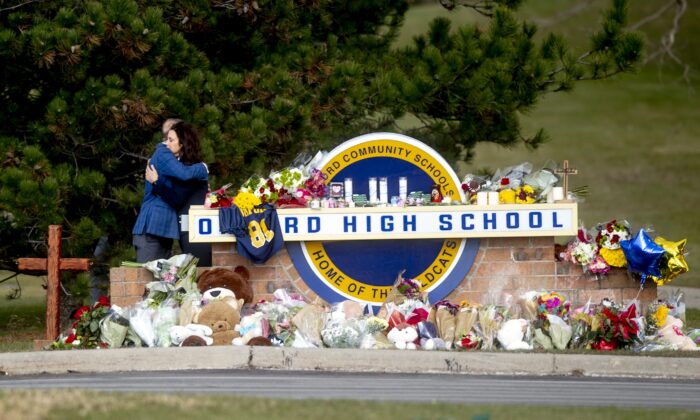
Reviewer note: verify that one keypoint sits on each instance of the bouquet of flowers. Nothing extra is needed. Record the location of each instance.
(490, 319)
(218, 198)
(85, 331)
(550, 327)
(614, 327)
(584, 251)
(316, 184)
(608, 239)
(465, 320)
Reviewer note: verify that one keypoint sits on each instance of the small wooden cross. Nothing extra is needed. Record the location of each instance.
(566, 171)
(53, 265)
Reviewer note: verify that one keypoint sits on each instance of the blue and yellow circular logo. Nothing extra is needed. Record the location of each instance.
(365, 270)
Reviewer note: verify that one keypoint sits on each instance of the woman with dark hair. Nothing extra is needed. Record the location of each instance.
(183, 142)
(177, 158)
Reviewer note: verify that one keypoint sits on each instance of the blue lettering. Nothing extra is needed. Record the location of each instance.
(407, 223)
(291, 225)
(489, 221)
(445, 222)
(512, 220)
(205, 226)
(555, 223)
(466, 226)
(535, 219)
(387, 223)
(314, 224)
(349, 222)
(369, 223)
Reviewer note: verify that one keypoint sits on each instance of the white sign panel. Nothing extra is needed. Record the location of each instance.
(405, 223)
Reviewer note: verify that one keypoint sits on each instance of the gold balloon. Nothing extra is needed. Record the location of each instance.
(673, 262)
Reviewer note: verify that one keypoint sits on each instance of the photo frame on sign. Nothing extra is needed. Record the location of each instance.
(337, 190)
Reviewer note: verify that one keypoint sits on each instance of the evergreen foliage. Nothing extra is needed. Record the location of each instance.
(85, 86)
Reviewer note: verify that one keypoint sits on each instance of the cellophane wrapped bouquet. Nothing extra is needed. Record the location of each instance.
(551, 329)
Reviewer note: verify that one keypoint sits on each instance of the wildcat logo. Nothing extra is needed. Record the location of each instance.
(365, 270)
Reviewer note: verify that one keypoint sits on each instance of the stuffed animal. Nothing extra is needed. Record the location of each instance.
(185, 336)
(511, 335)
(403, 336)
(672, 334)
(218, 283)
(221, 316)
(251, 326)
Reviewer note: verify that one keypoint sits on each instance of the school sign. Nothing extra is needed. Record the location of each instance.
(357, 253)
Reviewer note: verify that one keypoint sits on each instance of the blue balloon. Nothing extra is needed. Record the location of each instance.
(643, 255)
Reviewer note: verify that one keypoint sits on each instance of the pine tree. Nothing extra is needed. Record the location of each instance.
(85, 86)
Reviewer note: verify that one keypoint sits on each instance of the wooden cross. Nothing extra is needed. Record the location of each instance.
(53, 265)
(566, 171)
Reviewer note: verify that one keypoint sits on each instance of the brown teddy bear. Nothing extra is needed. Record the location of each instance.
(218, 283)
(221, 316)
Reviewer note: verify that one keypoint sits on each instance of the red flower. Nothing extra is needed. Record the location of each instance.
(465, 187)
(605, 345)
(615, 239)
(261, 190)
(102, 301)
(71, 338)
(505, 181)
(80, 311)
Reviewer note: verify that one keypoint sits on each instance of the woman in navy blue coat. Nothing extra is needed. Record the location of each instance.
(179, 157)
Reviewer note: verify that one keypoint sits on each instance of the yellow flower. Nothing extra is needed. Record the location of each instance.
(246, 201)
(660, 316)
(506, 196)
(525, 195)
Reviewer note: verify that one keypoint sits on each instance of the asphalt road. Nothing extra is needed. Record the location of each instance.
(466, 389)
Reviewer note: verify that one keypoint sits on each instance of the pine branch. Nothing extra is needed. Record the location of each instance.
(17, 6)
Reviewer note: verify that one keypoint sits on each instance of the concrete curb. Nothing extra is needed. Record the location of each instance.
(347, 360)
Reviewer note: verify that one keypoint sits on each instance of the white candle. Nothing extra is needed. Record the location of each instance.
(493, 198)
(550, 196)
(482, 198)
(383, 190)
(403, 187)
(373, 190)
(348, 189)
(558, 193)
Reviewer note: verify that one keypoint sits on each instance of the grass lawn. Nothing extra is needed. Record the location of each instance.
(22, 320)
(71, 404)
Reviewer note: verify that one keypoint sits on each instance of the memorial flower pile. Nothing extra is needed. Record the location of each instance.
(538, 319)
(85, 330)
(611, 244)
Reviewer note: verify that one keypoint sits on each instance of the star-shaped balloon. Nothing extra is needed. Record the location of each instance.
(643, 255)
(673, 263)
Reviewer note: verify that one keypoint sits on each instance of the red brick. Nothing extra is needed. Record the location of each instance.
(484, 284)
(134, 289)
(597, 295)
(534, 283)
(543, 241)
(496, 254)
(507, 242)
(126, 301)
(116, 274)
(131, 274)
(617, 277)
(229, 260)
(568, 268)
(576, 282)
(116, 289)
(645, 296)
(532, 254)
(542, 268)
(501, 269)
(262, 273)
(223, 247)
